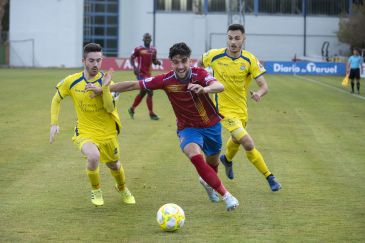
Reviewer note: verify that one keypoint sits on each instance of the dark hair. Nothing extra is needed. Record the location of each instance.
(236, 27)
(179, 49)
(91, 47)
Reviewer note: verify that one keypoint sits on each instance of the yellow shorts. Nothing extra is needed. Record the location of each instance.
(108, 147)
(236, 126)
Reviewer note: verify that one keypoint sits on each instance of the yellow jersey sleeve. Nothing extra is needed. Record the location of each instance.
(63, 87)
(210, 55)
(256, 68)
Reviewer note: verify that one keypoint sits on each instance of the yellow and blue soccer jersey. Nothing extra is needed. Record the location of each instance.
(236, 75)
(92, 119)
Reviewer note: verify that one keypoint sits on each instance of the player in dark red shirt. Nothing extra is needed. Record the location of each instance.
(198, 122)
(146, 55)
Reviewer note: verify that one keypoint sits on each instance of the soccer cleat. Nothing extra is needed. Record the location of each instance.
(231, 201)
(154, 117)
(212, 194)
(274, 185)
(131, 113)
(127, 196)
(97, 197)
(228, 166)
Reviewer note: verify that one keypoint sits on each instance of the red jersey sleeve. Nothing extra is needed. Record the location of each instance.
(204, 78)
(152, 83)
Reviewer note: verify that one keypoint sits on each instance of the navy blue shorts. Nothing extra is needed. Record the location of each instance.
(209, 139)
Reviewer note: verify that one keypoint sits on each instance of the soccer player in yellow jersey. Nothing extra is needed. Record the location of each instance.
(235, 68)
(97, 126)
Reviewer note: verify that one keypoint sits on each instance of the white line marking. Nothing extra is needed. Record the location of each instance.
(331, 87)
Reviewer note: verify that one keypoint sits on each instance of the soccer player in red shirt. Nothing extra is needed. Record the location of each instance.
(145, 55)
(198, 121)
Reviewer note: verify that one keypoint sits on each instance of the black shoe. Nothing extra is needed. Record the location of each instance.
(131, 113)
(154, 117)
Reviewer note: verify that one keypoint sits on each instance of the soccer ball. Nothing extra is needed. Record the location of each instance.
(170, 217)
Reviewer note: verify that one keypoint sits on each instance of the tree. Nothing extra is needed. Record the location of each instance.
(352, 28)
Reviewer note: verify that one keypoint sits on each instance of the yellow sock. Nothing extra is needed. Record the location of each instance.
(119, 177)
(258, 161)
(231, 149)
(94, 177)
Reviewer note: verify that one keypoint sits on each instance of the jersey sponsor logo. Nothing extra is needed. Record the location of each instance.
(148, 79)
(176, 88)
(222, 64)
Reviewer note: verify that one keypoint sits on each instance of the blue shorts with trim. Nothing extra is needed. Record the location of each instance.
(209, 138)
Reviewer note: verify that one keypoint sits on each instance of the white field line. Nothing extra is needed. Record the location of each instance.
(331, 87)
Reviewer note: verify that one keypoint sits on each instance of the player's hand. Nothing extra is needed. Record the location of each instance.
(255, 96)
(196, 88)
(95, 89)
(136, 72)
(55, 129)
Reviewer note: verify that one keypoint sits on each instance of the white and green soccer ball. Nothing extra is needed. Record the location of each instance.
(170, 217)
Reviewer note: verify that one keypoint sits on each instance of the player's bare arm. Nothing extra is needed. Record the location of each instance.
(125, 86)
(155, 61)
(256, 95)
(214, 87)
(135, 69)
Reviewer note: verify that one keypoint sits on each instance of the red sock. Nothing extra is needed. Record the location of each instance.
(149, 104)
(136, 102)
(208, 174)
(214, 167)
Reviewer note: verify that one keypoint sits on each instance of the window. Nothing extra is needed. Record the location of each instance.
(290, 7)
(327, 7)
(280, 6)
(101, 24)
(176, 5)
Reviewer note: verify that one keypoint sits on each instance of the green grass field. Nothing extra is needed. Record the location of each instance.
(310, 131)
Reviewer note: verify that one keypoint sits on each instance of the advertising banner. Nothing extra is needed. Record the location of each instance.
(306, 68)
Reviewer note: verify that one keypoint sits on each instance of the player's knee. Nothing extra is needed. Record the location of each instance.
(247, 143)
(93, 158)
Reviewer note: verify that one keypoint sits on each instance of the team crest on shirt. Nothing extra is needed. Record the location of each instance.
(243, 67)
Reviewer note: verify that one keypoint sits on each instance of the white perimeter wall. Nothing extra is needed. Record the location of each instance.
(56, 26)
(268, 37)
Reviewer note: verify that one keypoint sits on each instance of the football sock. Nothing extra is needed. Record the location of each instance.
(258, 161)
(149, 104)
(358, 86)
(119, 177)
(231, 149)
(352, 85)
(136, 102)
(214, 167)
(94, 178)
(208, 174)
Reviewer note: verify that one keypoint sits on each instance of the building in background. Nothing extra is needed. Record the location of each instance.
(52, 33)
